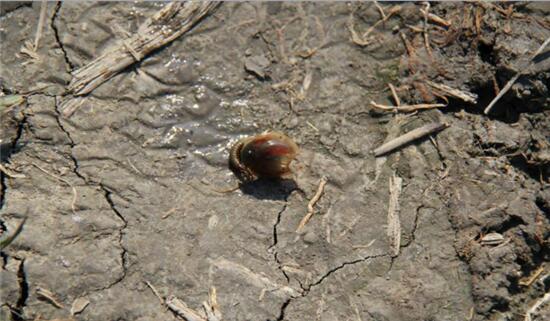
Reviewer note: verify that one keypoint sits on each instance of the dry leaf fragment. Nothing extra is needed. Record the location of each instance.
(79, 305)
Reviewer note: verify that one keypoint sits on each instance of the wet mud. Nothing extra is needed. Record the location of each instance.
(122, 193)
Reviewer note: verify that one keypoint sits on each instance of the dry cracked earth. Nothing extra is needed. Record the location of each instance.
(123, 192)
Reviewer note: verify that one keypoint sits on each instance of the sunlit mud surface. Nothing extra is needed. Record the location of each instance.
(123, 192)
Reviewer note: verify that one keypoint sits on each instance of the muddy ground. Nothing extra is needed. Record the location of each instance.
(121, 192)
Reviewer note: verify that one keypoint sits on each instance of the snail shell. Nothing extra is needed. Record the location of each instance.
(264, 155)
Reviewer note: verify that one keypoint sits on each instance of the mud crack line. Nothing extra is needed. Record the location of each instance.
(412, 237)
(106, 193)
(124, 252)
(57, 39)
(17, 7)
(341, 266)
(17, 311)
(13, 145)
(275, 240)
(308, 288)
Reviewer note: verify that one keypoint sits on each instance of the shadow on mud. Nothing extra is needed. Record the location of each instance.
(270, 189)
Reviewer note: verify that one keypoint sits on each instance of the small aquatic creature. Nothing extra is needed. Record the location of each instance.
(265, 155)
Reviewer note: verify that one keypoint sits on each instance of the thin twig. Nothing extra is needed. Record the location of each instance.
(9, 173)
(181, 309)
(155, 292)
(310, 209)
(438, 20)
(211, 308)
(409, 137)
(168, 213)
(453, 92)
(244, 274)
(362, 40)
(495, 84)
(382, 13)
(536, 306)
(394, 94)
(40, 27)
(532, 277)
(515, 78)
(425, 12)
(408, 45)
(49, 296)
(405, 108)
(363, 246)
(394, 224)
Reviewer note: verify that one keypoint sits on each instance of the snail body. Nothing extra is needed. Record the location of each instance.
(265, 155)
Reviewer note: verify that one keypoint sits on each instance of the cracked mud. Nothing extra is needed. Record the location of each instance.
(123, 191)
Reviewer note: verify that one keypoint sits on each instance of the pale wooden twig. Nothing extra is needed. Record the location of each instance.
(408, 46)
(409, 137)
(168, 213)
(256, 279)
(394, 94)
(49, 296)
(532, 278)
(312, 126)
(211, 308)
(9, 173)
(310, 209)
(405, 108)
(40, 27)
(463, 95)
(536, 306)
(28, 50)
(180, 308)
(364, 246)
(471, 314)
(175, 19)
(363, 40)
(515, 78)
(415, 28)
(305, 84)
(438, 20)
(155, 292)
(394, 224)
(382, 13)
(69, 106)
(425, 12)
